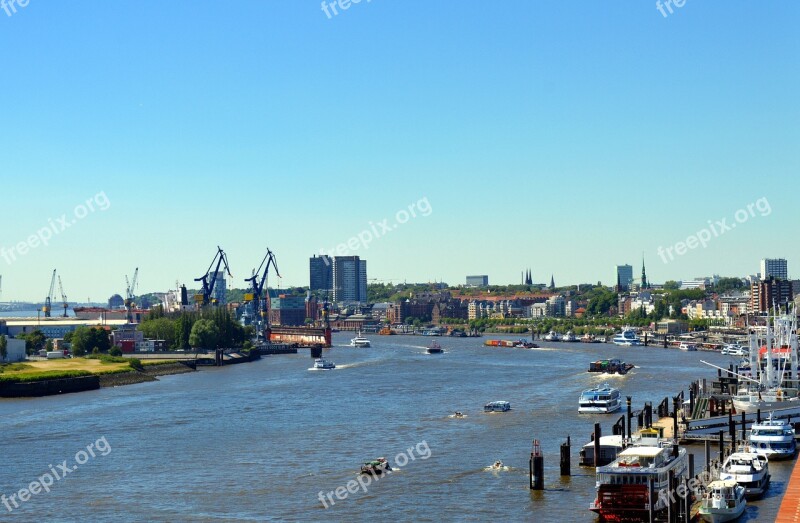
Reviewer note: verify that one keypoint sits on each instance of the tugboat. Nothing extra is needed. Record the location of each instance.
(376, 467)
(723, 501)
(434, 348)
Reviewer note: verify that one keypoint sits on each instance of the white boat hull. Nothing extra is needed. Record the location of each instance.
(763, 405)
(599, 410)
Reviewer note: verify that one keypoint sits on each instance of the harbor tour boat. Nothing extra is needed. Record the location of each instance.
(376, 467)
(627, 338)
(723, 501)
(639, 477)
(552, 336)
(772, 438)
(323, 364)
(749, 470)
(689, 347)
(569, 337)
(359, 341)
(434, 348)
(604, 399)
(497, 406)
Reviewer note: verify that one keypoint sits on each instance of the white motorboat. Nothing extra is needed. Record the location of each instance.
(639, 474)
(600, 400)
(772, 438)
(552, 336)
(323, 364)
(497, 406)
(627, 338)
(569, 337)
(359, 341)
(723, 501)
(689, 347)
(749, 470)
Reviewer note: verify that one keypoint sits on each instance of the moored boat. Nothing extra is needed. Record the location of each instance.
(772, 438)
(552, 336)
(627, 338)
(569, 337)
(749, 470)
(723, 501)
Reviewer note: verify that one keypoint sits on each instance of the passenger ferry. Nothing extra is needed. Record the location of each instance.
(627, 338)
(552, 336)
(359, 341)
(639, 475)
(723, 501)
(773, 439)
(749, 470)
(569, 337)
(600, 400)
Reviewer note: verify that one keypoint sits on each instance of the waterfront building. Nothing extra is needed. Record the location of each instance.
(766, 294)
(220, 288)
(556, 306)
(478, 281)
(287, 311)
(349, 279)
(774, 268)
(320, 271)
(624, 278)
(15, 351)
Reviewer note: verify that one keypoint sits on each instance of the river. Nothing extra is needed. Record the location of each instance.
(262, 441)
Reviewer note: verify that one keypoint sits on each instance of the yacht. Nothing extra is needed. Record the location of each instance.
(689, 347)
(723, 501)
(323, 364)
(359, 341)
(772, 438)
(569, 337)
(552, 336)
(640, 473)
(749, 470)
(600, 400)
(497, 406)
(627, 338)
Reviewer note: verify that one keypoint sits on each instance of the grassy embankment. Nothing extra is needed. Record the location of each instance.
(70, 368)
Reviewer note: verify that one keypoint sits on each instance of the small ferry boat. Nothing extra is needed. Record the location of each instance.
(749, 470)
(376, 467)
(613, 366)
(773, 439)
(569, 337)
(627, 338)
(689, 347)
(386, 331)
(323, 364)
(588, 338)
(359, 341)
(624, 485)
(497, 406)
(434, 348)
(552, 336)
(723, 501)
(604, 399)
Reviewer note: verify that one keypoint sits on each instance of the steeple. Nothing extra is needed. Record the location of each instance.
(645, 285)
(552, 283)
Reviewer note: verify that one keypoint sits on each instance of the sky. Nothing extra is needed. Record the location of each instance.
(562, 136)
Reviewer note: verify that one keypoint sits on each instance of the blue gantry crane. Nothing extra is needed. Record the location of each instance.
(207, 288)
(256, 297)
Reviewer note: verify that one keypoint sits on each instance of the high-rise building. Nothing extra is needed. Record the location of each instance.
(478, 281)
(220, 287)
(774, 268)
(770, 293)
(349, 279)
(320, 270)
(624, 277)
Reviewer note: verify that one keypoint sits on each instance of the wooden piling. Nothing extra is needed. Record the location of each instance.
(597, 434)
(565, 458)
(537, 467)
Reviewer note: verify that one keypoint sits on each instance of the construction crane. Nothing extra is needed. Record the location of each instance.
(46, 308)
(208, 286)
(63, 297)
(130, 287)
(261, 304)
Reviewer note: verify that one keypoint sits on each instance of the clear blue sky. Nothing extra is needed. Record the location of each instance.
(559, 135)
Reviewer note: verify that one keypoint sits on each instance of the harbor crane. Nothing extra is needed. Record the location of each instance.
(46, 308)
(261, 302)
(130, 288)
(64, 302)
(208, 286)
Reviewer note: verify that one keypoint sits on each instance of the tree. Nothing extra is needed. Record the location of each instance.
(159, 329)
(116, 350)
(85, 340)
(34, 341)
(671, 285)
(183, 329)
(205, 335)
(3, 349)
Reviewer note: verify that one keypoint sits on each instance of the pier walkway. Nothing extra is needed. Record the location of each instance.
(790, 506)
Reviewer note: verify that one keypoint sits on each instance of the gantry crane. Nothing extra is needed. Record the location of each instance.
(261, 303)
(208, 286)
(46, 308)
(64, 303)
(130, 288)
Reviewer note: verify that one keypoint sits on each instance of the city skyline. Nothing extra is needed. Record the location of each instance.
(569, 139)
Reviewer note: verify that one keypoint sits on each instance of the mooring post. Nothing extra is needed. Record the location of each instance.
(732, 430)
(691, 465)
(630, 415)
(537, 467)
(565, 458)
(721, 445)
(691, 401)
(708, 456)
(675, 402)
(597, 434)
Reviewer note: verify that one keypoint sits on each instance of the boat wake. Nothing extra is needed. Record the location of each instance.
(497, 468)
(338, 366)
(457, 416)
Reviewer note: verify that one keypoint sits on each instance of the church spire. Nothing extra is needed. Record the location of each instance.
(552, 283)
(645, 285)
